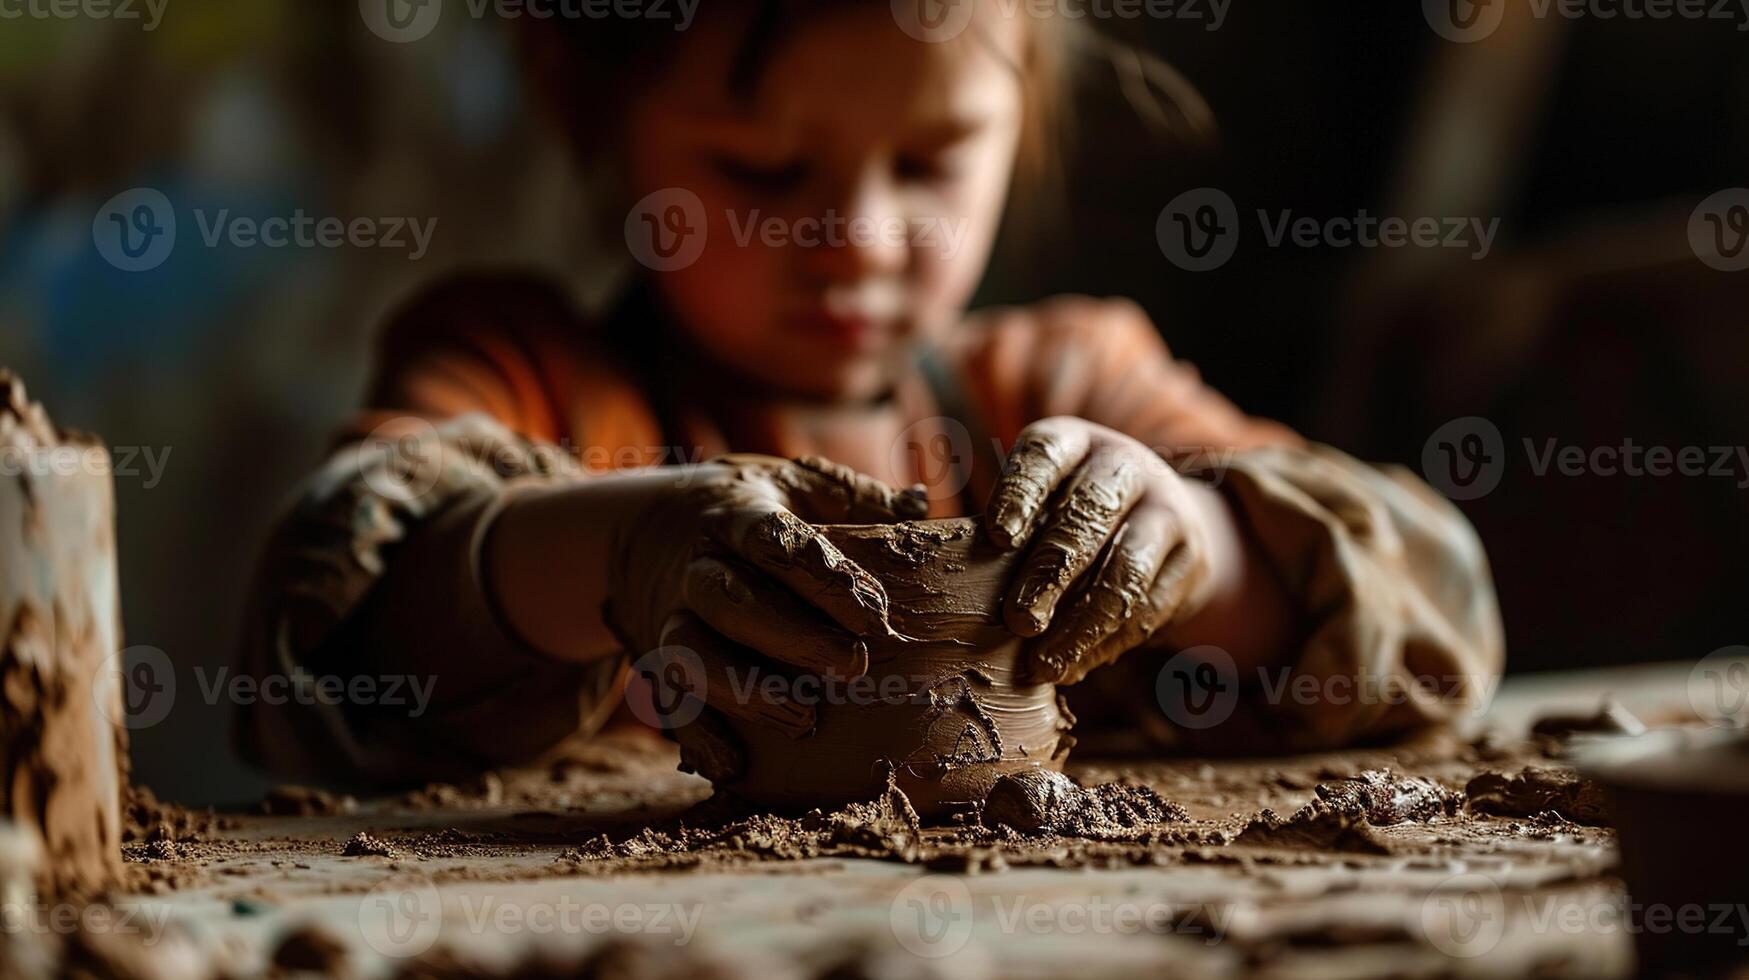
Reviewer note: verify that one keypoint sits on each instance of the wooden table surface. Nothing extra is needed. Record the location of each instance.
(1451, 899)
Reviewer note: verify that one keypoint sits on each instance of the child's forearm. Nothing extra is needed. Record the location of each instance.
(546, 560)
(1243, 608)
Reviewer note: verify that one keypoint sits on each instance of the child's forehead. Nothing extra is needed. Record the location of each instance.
(856, 66)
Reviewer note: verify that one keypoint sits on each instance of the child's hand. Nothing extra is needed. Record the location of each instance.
(730, 567)
(1111, 526)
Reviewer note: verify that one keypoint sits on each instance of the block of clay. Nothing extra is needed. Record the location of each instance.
(63, 748)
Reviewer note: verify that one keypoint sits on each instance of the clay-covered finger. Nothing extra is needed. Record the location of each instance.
(1046, 453)
(754, 611)
(728, 678)
(1113, 601)
(826, 492)
(710, 749)
(1095, 501)
(797, 556)
(1179, 577)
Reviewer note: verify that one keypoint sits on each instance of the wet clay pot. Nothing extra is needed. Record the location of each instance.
(947, 709)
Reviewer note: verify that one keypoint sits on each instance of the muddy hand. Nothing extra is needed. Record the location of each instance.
(731, 568)
(1114, 545)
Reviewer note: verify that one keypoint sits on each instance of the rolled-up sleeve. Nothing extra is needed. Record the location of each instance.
(1398, 620)
(371, 619)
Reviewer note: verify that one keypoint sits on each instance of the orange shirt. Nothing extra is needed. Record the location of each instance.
(514, 349)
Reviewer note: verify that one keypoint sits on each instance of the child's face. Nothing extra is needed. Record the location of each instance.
(850, 203)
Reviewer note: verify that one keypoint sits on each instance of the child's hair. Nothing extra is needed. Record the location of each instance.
(581, 69)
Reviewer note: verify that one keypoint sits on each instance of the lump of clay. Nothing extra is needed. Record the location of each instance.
(1041, 801)
(1610, 718)
(1030, 801)
(945, 705)
(1536, 790)
(1384, 798)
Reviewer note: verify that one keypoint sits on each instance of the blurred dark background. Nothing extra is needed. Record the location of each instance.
(1592, 320)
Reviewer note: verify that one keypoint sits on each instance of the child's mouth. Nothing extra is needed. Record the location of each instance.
(845, 331)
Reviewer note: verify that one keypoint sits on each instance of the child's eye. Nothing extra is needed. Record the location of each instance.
(770, 178)
(922, 168)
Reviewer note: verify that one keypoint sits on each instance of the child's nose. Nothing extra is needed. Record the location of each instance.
(872, 238)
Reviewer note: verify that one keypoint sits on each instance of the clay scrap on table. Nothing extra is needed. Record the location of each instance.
(1342, 815)
(1536, 790)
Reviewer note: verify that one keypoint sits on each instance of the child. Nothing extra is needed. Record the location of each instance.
(489, 559)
